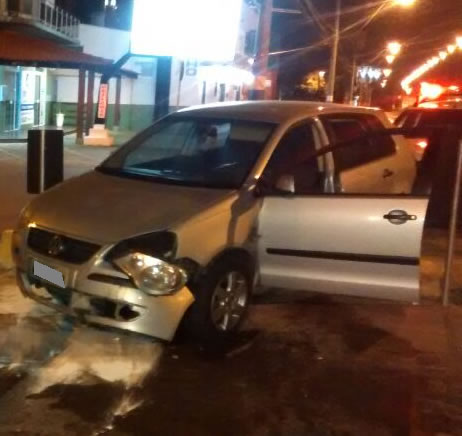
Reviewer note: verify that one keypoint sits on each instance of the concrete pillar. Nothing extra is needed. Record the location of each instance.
(163, 80)
(117, 103)
(90, 101)
(81, 106)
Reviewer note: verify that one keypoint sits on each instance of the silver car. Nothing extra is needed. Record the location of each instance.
(213, 203)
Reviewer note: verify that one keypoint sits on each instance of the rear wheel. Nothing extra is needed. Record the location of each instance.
(222, 299)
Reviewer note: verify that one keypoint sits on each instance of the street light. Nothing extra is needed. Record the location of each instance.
(459, 41)
(429, 64)
(390, 59)
(404, 3)
(334, 54)
(394, 48)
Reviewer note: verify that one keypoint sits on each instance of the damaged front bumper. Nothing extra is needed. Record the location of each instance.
(99, 296)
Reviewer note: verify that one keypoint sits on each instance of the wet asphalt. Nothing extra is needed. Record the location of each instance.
(303, 365)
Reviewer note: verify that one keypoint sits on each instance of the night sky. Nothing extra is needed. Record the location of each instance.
(84, 9)
(424, 28)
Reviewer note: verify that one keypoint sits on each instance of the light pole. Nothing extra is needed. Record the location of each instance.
(334, 55)
(336, 40)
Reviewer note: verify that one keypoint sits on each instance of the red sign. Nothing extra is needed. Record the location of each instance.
(103, 100)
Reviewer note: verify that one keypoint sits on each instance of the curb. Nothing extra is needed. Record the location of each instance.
(6, 259)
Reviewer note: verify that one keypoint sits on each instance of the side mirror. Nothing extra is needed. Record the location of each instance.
(286, 183)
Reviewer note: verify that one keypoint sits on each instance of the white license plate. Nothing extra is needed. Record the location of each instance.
(49, 274)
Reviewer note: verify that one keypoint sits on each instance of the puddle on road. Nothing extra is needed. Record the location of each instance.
(52, 352)
(92, 356)
(95, 358)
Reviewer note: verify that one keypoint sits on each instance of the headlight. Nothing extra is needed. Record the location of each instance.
(152, 275)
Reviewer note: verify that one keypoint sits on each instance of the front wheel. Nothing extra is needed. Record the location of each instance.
(222, 299)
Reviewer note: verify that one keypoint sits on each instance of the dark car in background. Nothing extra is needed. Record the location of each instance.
(414, 118)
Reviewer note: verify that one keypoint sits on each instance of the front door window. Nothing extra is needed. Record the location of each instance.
(293, 158)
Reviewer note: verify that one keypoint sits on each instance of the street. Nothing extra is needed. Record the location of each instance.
(303, 365)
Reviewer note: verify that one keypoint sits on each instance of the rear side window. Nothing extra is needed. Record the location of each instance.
(349, 127)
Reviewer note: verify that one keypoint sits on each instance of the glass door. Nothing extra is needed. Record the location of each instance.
(9, 100)
(37, 100)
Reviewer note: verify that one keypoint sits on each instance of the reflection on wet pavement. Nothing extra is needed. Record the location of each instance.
(90, 356)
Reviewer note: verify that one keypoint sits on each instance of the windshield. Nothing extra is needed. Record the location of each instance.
(216, 153)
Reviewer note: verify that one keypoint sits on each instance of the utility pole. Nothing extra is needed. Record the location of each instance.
(334, 55)
(354, 73)
(260, 66)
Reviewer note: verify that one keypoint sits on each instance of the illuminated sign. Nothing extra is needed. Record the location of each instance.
(103, 100)
(206, 30)
(370, 73)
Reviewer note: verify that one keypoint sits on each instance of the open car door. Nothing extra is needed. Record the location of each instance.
(356, 243)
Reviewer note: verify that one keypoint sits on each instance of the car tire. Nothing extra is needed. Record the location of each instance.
(222, 297)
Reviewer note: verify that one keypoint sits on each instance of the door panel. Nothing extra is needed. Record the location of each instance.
(342, 245)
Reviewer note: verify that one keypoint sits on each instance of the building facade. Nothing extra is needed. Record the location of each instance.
(32, 96)
(196, 83)
(25, 90)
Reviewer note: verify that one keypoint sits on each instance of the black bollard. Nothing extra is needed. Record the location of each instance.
(45, 160)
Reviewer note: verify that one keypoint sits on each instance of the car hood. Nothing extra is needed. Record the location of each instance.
(108, 209)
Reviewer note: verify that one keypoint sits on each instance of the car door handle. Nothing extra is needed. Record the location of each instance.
(399, 217)
(387, 173)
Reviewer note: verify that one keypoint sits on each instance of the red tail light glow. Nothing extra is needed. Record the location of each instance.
(430, 90)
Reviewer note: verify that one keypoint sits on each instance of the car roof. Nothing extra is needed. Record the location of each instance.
(271, 111)
(431, 109)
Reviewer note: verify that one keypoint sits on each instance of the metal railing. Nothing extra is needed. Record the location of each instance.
(41, 11)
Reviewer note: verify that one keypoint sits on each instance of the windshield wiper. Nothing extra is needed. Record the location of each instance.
(151, 175)
(160, 177)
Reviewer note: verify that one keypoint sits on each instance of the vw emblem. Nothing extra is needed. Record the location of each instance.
(56, 246)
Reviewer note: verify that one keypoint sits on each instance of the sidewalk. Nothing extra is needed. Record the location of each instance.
(13, 195)
(20, 136)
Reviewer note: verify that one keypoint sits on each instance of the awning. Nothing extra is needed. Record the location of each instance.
(19, 49)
